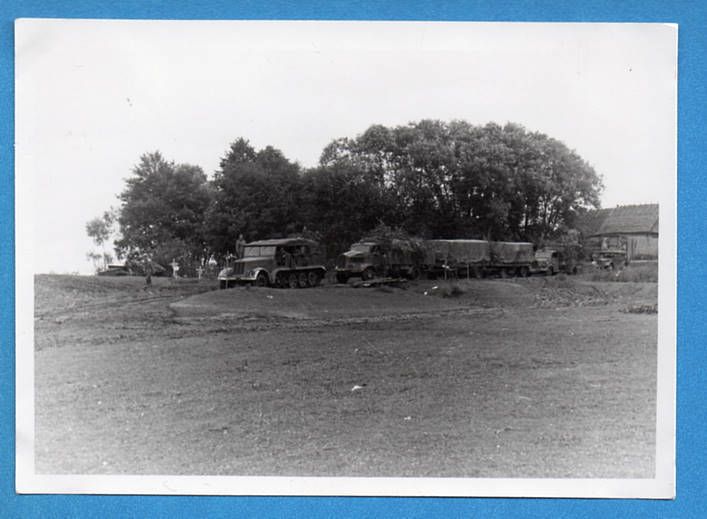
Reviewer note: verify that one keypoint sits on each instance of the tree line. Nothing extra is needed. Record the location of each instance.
(430, 178)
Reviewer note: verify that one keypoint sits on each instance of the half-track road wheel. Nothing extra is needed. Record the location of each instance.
(313, 278)
(302, 280)
(281, 280)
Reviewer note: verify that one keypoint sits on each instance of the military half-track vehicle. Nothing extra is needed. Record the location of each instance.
(284, 263)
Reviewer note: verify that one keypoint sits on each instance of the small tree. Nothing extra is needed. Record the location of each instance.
(100, 230)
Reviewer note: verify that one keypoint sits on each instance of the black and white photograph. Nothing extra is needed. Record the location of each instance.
(346, 258)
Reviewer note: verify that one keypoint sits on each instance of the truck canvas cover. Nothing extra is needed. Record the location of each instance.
(454, 252)
(511, 252)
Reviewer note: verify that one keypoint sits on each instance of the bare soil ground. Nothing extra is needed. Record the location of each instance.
(539, 377)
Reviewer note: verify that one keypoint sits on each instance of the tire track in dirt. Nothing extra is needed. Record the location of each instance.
(107, 305)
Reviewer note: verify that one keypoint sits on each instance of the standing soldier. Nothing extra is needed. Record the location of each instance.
(240, 246)
(147, 263)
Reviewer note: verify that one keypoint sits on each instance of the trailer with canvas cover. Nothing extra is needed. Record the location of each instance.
(511, 258)
(478, 258)
(456, 258)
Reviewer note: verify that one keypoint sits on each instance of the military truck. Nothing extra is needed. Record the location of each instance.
(284, 263)
(553, 260)
(369, 259)
(608, 252)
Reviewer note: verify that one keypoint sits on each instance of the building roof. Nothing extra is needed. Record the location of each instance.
(590, 222)
(281, 242)
(624, 219)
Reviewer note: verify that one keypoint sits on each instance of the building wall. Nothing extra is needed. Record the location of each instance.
(642, 246)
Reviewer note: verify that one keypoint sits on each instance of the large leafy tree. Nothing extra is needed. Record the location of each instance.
(255, 193)
(340, 204)
(460, 180)
(162, 213)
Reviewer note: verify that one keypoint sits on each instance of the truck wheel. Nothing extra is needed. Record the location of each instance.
(292, 280)
(368, 274)
(504, 273)
(313, 278)
(223, 284)
(550, 271)
(261, 280)
(524, 272)
(302, 280)
(342, 278)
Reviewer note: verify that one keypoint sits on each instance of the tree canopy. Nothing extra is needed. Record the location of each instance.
(254, 193)
(456, 179)
(162, 212)
(432, 179)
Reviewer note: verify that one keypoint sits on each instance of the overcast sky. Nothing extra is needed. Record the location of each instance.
(92, 96)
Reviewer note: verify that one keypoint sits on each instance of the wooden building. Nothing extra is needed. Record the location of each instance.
(638, 224)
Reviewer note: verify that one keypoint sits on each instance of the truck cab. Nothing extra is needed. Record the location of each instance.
(369, 259)
(364, 259)
(609, 252)
(546, 261)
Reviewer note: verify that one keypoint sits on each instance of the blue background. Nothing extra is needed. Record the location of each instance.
(692, 273)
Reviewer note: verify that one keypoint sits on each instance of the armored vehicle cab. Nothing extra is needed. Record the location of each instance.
(285, 263)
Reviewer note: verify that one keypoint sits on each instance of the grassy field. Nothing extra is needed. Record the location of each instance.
(539, 377)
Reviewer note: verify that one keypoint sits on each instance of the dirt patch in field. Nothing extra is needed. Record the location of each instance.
(493, 382)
